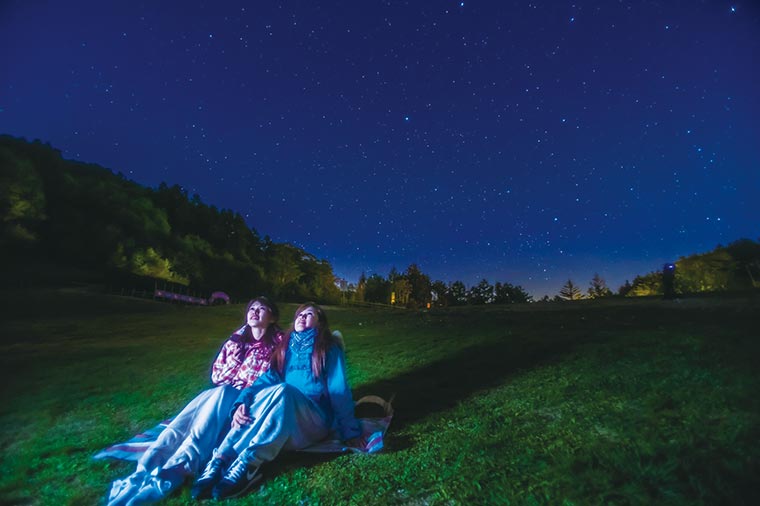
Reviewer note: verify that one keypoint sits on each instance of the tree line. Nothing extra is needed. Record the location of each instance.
(83, 216)
(414, 289)
(735, 267)
(80, 215)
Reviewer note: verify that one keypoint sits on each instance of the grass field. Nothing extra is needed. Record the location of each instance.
(630, 402)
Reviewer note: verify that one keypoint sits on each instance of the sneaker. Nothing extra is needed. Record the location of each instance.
(238, 480)
(208, 479)
(158, 486)
(123, 490)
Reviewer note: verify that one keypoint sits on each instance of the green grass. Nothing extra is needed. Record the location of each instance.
(621, 402)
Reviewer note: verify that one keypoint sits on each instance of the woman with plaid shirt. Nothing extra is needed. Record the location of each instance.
(187, 442)
(296, 404)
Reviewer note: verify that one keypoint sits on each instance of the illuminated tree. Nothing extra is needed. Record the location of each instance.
(403, 290)
(283, 263)
(648, 284)
(458, 293)
(482, 293)
(22, 199)
(708, 272)
(361, 287)
(570, 291)
(149, 262)
(318, 280)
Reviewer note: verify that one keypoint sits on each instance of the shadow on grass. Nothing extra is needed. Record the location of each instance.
(442, 385)
(439, 386)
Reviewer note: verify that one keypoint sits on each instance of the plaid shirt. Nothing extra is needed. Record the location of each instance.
(241, 360)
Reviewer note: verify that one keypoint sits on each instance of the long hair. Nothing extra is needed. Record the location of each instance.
(270, 337)
(322, 341)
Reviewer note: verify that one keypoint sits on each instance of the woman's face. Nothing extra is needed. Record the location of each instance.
(306, 319)
(259, 316)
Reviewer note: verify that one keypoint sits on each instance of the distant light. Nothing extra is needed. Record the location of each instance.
(733, 8)
(572, 19)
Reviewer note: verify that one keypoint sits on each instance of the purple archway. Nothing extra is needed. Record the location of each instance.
(218, 298)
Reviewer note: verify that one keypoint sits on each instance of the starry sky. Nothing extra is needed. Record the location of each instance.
(519, 141)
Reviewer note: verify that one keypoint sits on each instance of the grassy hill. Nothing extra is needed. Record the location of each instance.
(606, 402)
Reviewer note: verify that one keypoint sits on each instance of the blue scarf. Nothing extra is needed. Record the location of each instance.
(302, 341)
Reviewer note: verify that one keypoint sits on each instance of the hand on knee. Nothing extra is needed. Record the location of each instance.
(242, 416)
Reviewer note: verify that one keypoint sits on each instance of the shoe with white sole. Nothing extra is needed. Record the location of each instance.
(210, 477)
(238, 480)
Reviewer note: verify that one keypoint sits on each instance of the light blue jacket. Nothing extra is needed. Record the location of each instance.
(331, 392)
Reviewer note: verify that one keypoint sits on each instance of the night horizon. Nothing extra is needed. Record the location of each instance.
(516, 143)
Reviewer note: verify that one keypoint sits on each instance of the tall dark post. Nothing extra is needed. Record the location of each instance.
(668, 281)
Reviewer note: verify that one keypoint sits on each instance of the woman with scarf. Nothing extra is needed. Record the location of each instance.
(187, 442)
(304, 395)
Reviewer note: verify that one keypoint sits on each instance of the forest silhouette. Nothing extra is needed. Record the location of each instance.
(64, 220)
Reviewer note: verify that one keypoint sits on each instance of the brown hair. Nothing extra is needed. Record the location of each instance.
(322, 342)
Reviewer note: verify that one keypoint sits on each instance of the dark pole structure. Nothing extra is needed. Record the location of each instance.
(668, 281)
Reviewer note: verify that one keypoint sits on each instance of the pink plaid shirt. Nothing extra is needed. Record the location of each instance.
(241, 360)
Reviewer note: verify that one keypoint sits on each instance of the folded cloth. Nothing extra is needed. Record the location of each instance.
(135, 447)
(373, 432)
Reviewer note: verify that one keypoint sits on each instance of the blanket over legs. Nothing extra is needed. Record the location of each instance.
(373, 431)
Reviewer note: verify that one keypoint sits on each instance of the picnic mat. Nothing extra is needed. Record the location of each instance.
(373, 430)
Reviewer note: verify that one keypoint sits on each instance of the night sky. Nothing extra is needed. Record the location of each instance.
(526, 142)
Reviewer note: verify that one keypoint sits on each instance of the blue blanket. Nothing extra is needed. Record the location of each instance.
(373, 431)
